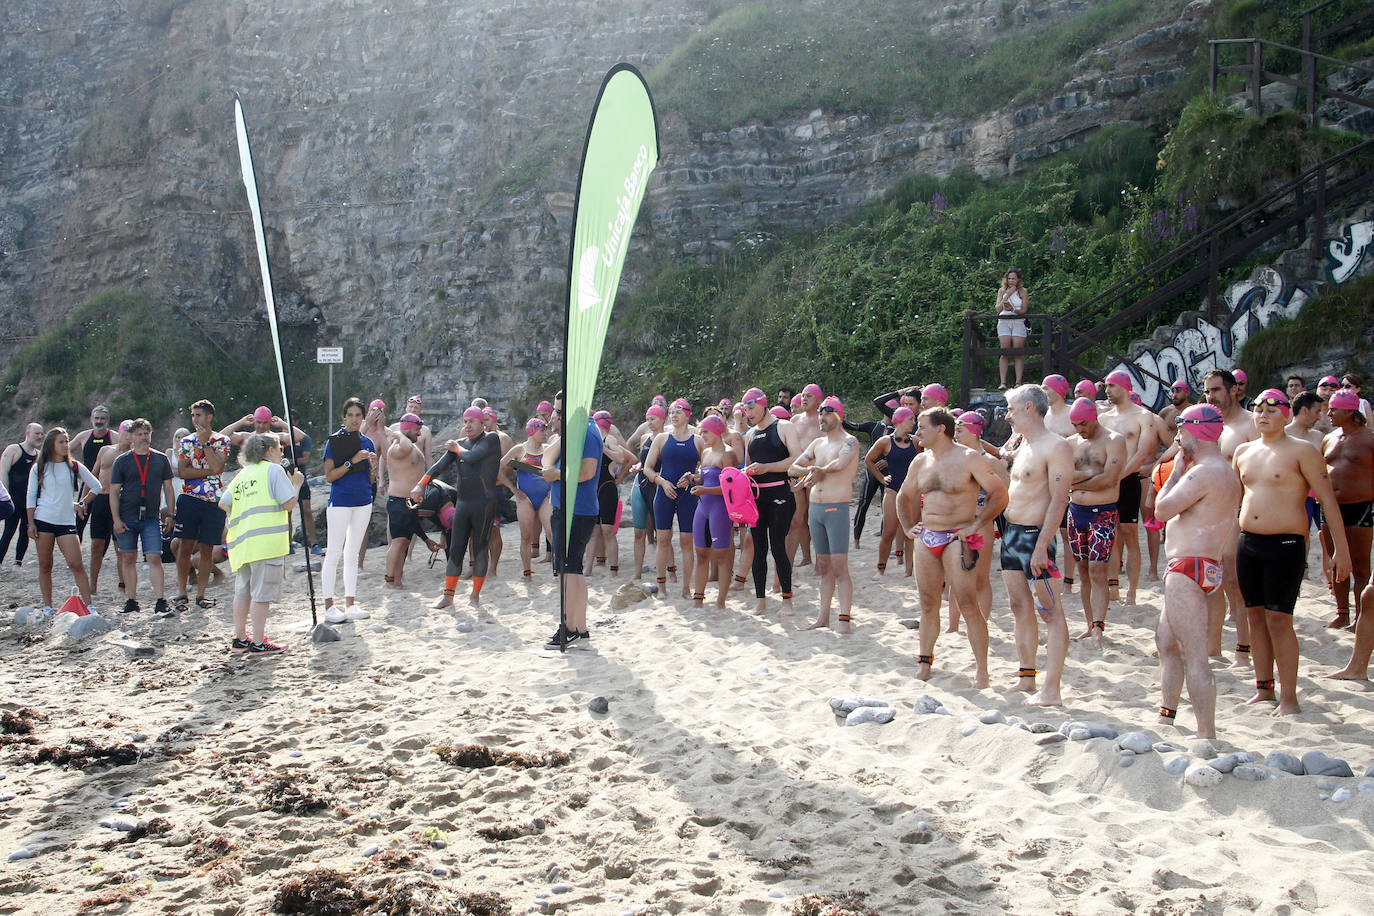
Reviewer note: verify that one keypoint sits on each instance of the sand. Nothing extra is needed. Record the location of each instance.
(718, 782)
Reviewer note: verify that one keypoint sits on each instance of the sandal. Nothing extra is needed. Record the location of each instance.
(180, 602)
(203, 601)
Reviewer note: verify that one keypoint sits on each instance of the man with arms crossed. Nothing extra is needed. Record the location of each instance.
(1098, 457)
(141, 499)
(938, 509)
(201, 457)
(1198, 503)
(827, 468)
(1349, 453)
(1136, 425)
(1041, 473)
(1220, 388)
(99, 518)
(1277, 471)
(808, 424)
(407, 465)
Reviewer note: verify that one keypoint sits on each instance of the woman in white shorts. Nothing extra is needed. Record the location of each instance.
(1013, 301)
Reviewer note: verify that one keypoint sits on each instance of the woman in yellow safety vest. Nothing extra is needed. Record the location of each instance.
(259, 504)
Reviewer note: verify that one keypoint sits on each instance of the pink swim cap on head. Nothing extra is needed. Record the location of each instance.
(377, 404)
(1276, 398)
(957, 411)
(1330, 380)
(782, 413)
(1120, 378)
(1057, 384)
(410, 421)
(534, 424)
(713, 424)
(544, 407)
(1083, 410)
(936, 392)
(1180, 385)
(833, 403)
(738, 408)
(1345, 399)
(754, 396)
(972, 418)
(262, 414)
(603, 419)
(1240, 376)
(796, 401)
(656, 410)
(473, 413)
(1085, 389)
(125, 424)
(1202, 421)
(446, 515)
(682, 405)
(725, 404)
(489, 413)
(660, 400)
(414, 399)
(901, 415)
(814, 390)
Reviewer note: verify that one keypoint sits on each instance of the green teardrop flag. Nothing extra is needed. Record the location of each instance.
(620, 152)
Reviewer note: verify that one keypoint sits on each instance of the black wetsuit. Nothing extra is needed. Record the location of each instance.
(875, 430)
(776, 508)
(475, 499)
(18, 485)
(89, 453)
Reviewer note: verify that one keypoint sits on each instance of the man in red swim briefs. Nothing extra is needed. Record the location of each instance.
(1198, 502)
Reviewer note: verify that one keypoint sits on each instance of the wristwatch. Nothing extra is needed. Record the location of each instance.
(348, 464)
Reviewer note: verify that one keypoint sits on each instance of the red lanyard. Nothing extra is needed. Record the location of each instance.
(142, 475)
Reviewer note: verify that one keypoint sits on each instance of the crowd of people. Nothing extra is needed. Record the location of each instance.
(1231, 487)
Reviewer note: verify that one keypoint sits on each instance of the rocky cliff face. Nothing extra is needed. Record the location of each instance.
(416, 160)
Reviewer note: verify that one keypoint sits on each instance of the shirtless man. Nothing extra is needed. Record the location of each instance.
(1198, 503)
(100, 517)
(1308, 410)
(1219, 386)
(261, 421)
(1242, 388)
(1041, 473)
(1136, 425)
(426, 440)
(938, 508)
(1180, 399)
(1293, 386)
(1349, 453)
(827, 468)
(1057, 421)
(1098, 457)
(1328, 386)
(407, 465)
(1277, 471)
(808, 424)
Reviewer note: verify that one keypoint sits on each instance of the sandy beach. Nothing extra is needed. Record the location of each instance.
(718, 781)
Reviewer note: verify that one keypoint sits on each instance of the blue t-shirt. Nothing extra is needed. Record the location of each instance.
(586, 502)
(355, 487)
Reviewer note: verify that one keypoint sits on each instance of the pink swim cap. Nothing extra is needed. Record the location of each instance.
(263, 414)
(1240, 376)
(754, 396)
(682, 405)
(377, 404)
(446, 515)
(660, 400)
(957, 411)
(713, 424)
(1180, 385)
(1276, 398)
(1083, 410)
(656, 410)
(1345, 399)
(738, 408)
(1120, 378)
(473, 413)
(901, 415)
(1330, 380)
(972, 418)
(1057, 384)
(534, 424)
(782, 413)
(489, 413)
(892, 403)
(603, 419)
(414, 399)
(796, 401)
(725, 404)
(835, 404)
(125, 424)
(814, 390)
(936, 392)
(1085, 389)
(410, 421)
(1203, 421)
(544, 407)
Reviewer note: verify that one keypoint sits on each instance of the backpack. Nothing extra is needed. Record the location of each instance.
(739, 492)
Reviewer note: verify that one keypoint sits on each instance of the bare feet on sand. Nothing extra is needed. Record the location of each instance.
(1026, 683)
(822, 622)
(1350, 674)
(1046, 697)
(1340, 621)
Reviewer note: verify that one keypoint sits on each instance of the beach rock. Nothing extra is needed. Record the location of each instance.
(1326, 785)
(465, 626)
(373, 849)
(23, 852)
(1050, 738)
(1244, 757)
(324, 633)
(1202, 776)
(1127, 760)
(1041, 728)
(439, 871)
(1166, 747)
(1367, 788)
(1279, 760)
(628, 594)
(1136, 742)
(1315, 763)
(123, 824)
(1176, 766)
(1017, 722)
(843, 706)
(599, 705)
(911, 623)
(1341, 795)
(135, 649)
(926, 704)
(1370, 772)
(561, 888)
(79, 628)
(1094, 731)
(1223, 764)
(992, 717)
(1079, 734)
(26, 617)
(865, 715)
(1247, 773)
(968, 731)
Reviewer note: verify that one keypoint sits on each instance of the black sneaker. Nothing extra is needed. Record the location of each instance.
(131, 606)
(239, 645)
(567, 639)
(161, 609)
(585, 636)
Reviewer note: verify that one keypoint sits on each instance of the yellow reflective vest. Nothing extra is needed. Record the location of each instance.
(259, 528)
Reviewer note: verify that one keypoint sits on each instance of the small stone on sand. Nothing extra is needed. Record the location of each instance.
(1127, 760)
(926, 704)
(1050, 738)
(599, 705)
(1315, 763)
(843, 706)
(1177, 766)
(1223, 764)
(1247, 773)
(866, 715)
(1136, 742)
(1202, 776)
(992, 717)
(23, 852)
(1341, 795)
(1279, 760)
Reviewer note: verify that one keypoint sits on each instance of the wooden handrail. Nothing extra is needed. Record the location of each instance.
(1274, 44)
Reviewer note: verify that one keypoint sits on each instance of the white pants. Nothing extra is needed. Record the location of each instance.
(347, 528)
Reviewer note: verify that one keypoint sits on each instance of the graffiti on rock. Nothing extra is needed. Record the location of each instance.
(1346, 254)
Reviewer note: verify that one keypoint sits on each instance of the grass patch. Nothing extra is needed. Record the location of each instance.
(1341, 316)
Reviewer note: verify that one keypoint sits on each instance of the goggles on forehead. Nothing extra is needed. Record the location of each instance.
(827, 410)
(750, 402)
(1200, 421)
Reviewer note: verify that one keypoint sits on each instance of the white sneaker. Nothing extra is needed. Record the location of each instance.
(333, 614)
(353, 612)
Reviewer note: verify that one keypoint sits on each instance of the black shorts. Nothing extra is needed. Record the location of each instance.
(199, 520)
(1270, 569)
(101, 522)
(582, 528)
(608, 500)
(1018, 543)
(402, 520)
(1128, 500)
(55, 530)
(1358, 515)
